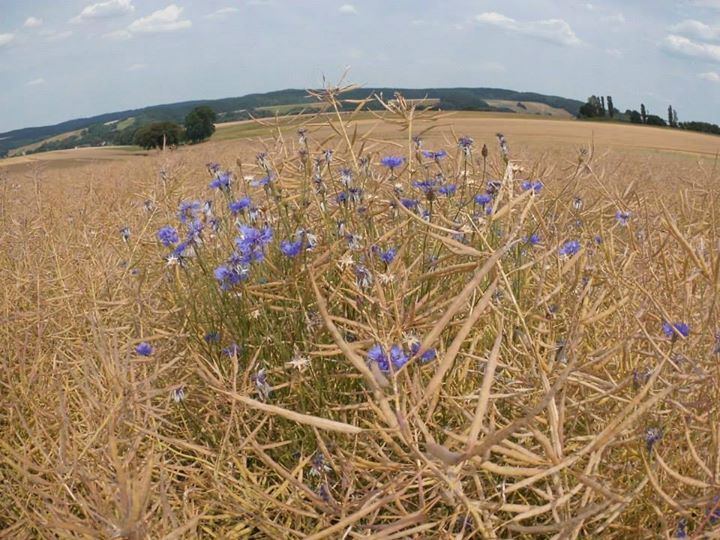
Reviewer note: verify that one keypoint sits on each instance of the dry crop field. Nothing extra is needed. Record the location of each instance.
(347, 332)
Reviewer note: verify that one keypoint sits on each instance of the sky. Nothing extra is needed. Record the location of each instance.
(76, 58)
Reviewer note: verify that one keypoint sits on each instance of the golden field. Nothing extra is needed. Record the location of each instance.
(557, 404)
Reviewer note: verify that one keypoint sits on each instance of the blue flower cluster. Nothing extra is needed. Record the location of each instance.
(398, 356)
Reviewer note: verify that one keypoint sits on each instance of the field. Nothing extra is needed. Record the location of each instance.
(517, 342)
(529, 107)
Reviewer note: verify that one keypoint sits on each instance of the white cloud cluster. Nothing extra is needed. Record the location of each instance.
(711, 76)
(32, 22)
(556, 31)
(168, 19)
(222, 12)
(695, 49)
(36, 82)
(6, 39)
(348, 9)
(104, 10)
(163, 20)
(697, 29)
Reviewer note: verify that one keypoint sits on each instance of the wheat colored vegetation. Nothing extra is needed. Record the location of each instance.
(486, 379)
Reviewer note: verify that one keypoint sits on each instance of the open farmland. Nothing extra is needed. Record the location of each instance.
(513, 344)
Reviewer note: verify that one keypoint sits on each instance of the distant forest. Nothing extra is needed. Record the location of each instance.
(600, 108)
(119, 128)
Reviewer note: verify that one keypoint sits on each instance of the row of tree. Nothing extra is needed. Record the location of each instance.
(199, 125)
(598, 108)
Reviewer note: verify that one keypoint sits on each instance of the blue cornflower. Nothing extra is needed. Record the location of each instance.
(426, 186)
(228, 276)
(195, 229)
(391, 162)
(342, 197)
(168, 235)
(388, 255)
(251, 243)
(328, 154)
(238, 206)
(465, 144)
(183, 249)
(652, 436)
(264, 181)
(144, 349)
(671, 330)
(493, 186)
(448, 189)
(212, 337)
(533, 239)
(681, 531)
(356, 194)
(291, 249)
(189, 210)
(598, 239)
(410, 204)
(213, 167)
(398, 356)
(534, 186)
(570, 248)
(377, 354)
(125, 233)
(483, 199)
(435, 155)
(363, 276)
(622, 217)
(346, 177)
(222, 181)
(233, 350)
(427, 356)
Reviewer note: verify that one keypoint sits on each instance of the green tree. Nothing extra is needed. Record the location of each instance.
(610, 107)
(592, 109)
(635, 117)
(643, 113)
(655, 120)
(200, 124)
(158, 134)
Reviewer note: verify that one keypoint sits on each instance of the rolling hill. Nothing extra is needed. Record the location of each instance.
(119, 127)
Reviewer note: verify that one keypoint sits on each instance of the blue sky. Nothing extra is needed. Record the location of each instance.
(62, 60)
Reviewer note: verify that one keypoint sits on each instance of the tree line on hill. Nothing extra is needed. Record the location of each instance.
(600, 108)
(199, 124)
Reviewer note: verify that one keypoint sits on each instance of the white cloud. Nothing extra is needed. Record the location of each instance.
(348, 8)
(221, 12)
(136, 67)
(57, 36)
(118, 35)
(615, 53)
(698, 30)
(694, 49)
(589, 6)
(32, 22)
(103, 10)
(6, 39)
(35, 82)
(163, 20)
(711, 76)
(556, 31)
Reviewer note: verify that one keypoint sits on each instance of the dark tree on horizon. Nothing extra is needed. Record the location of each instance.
(643, 113)
(602, 102)
(200, 123)
(610, 106)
